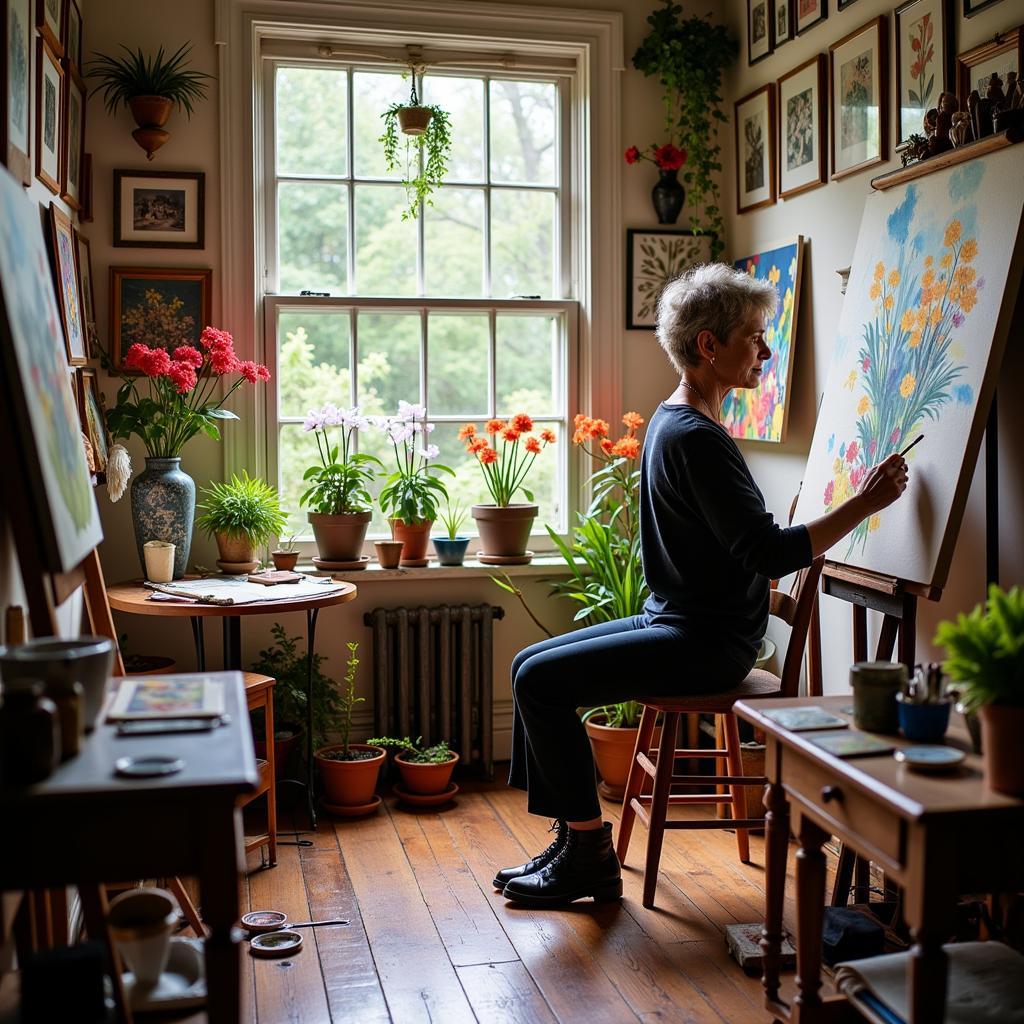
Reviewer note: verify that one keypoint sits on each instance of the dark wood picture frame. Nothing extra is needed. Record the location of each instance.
(765, 9)
(86, 289)
(197, 179)
(71, 34)
(1004, 42)
(85, 213)
(798, 28)
(971, 9)
(879, 26)
(47, 59)
(841, 5)
(780, 39)
(821, 144)
(667, 264)
(64, 262)
(200, 277)
(16, 39)
(92, 414)
(768, 91)
(73, 148)
(945, 59)
(50, 28)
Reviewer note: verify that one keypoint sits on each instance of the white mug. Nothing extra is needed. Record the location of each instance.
(159, 555)
(140, 922)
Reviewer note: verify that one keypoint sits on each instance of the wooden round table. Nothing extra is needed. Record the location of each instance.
(134, 598)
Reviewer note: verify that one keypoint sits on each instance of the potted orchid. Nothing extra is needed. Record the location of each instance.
(338, 494)
(506, 454)
(668, 195)
(411, 494)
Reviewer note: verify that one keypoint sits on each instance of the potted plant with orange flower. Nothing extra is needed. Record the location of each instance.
(506, 453)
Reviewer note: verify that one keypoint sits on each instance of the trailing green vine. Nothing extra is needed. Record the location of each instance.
(688, 56)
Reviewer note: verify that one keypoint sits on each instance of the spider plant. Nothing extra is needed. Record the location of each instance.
(123, 78)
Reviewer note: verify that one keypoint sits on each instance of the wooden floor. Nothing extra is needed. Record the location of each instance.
(429, 939)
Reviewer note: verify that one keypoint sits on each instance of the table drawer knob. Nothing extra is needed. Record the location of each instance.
(829, 793)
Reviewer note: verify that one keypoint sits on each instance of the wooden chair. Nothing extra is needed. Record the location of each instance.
(795, 609)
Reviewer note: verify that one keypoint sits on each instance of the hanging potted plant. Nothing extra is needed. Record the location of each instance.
(240, 515)
(425, 149)
(150, 87)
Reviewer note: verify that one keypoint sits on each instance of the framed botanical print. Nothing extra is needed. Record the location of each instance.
(782, 23)
(72, 34)
(159, 209)
(924, 34)
(858, 73)
(50, 22)
(759, 43)
(93, 417)
(49, 116)
(655, 256)
(74, 142)
(998, 56)
(16, 88)
(65, 276)
(161, 307)
(755, 149)
(807, 14)
(971, 7)
(86, 293)
(802, 117)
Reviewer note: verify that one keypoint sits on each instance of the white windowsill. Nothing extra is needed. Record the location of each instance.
(540, 567)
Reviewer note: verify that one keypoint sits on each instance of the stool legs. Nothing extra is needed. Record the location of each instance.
(635, 781)
(659, 804)
(738, 793)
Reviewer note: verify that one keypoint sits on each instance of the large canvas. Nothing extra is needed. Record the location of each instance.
(760, 414)
(39, 396)
(927, 310)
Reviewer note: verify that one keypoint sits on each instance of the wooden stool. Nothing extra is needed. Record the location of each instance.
(259, 693)
(796, 610)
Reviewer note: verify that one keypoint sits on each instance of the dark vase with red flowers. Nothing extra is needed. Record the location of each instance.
(668, 194)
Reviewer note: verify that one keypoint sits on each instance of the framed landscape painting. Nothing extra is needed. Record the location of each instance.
(924, 34)
(159, 209)
(16, 89)
(755, 149)
(653, 258)
(760, 414)
(160, 307)
(858, 73)
(49, 116)
(803, 163)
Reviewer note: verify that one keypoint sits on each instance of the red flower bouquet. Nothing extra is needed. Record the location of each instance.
(666, 157)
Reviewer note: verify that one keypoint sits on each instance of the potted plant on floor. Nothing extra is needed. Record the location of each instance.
(240, 515)
(150, 87)
(986, 658)
(349, 770)
(451, 548)
(338, 494)
(505, 460)
(411, 494)
(426, 771)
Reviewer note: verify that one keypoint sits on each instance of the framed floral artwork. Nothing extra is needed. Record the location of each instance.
(655, 256)
(782, 22)
(93, 419)
(755, 149)
(74, 140)
(807, 14)
(802, 119)
(86, 292)
(49, 116)
(996, 57)
(162, 307)
(859, 111)
(759, 43)
(50, 23)
(159, 209)
(924, 32)
(65, 275)
(16, 88)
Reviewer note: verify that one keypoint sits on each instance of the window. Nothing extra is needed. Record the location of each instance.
(465, 308)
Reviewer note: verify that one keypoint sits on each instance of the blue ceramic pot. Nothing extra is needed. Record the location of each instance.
(450, 552)
(924, 723)
(164, 508)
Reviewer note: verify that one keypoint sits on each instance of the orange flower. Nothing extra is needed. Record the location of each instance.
(607, 445)
(493, 426)
(626, 447)
(476, 444)
(467, 430)
(952, 235)
(532, 445)
(596, 429)
(579, 419)
(970, 250)
(487, 455)
(509, 434)
(547, 436)
(633, 420)
(522, 422)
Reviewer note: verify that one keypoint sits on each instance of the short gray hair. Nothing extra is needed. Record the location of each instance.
(709, 297)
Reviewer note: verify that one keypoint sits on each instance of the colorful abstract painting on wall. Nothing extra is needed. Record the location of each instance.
(918, 347)
(760, 414)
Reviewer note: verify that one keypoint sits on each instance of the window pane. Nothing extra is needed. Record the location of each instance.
(312, 227)
(523, 132)
(312, 135)
(457, 364)
(454, 243)
(372, 94)
(296, 453)
(312, 365)
(389, 361)
(522, 243)
(385, 244)
(463, 98)
(468, 487)
(528, 365)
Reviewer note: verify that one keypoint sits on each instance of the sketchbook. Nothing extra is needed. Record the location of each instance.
(191, 695)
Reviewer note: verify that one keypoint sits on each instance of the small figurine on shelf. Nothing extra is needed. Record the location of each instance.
(960, 132)
(939, 140)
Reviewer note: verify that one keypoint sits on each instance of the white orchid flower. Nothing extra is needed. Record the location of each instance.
(430, 452)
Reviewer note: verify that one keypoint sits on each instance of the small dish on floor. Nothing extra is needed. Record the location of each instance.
(930, 758)
(354, 565)
(351, 811)
(524, 559)
(425, 799)
(237, 568)
(279, 943)
(256, 922)
(181, 986)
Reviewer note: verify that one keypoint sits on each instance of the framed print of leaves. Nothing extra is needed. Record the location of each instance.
(923, 60)
(859, 116)
(653, 258)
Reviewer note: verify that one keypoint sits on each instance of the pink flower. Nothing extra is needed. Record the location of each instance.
(895, 436)
(223, 359)
(253, 372)
(830, 488)
(872, 448)
(189, 355)
(182, 376)
(135, 356)
(212, 337)
(156, 362)
(632, 155)
(669, 157)
(866, 365)
(851, 451)
(857, 475)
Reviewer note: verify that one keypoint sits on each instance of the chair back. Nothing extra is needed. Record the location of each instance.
(796, 609)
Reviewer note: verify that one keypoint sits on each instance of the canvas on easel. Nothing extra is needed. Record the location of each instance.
(931, 296)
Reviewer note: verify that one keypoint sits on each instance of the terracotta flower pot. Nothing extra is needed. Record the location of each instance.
(414, 120)
(505, 530)
(613, 752)
(349, 783)
(285, 561)
(150, 111)
(427, 779)
(235, 549)
(414, 538)
(389, 553)
(1001, 729)
(340, 538)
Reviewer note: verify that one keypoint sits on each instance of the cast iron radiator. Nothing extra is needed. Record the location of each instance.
(432, 676)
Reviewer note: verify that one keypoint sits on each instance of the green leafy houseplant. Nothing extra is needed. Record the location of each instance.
(347, 701)
(245, 508)
(340, 484)
(414, 751)
(452, 519)
(122, 79)
(688, 56)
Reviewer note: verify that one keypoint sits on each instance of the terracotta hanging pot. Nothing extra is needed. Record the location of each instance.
(414, 120)
(151, 114)
(504, 532)
(414, 538)
(340, 538)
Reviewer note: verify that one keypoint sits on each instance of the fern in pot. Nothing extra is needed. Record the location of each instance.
(240, 515)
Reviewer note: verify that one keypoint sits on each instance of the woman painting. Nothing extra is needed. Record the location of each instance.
(709, 549)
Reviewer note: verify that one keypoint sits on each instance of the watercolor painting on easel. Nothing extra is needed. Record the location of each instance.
(927, 310)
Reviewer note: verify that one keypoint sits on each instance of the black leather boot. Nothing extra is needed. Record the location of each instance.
(585, 866)
(503, 877)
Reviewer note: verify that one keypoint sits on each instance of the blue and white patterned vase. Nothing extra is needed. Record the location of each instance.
(164, 508)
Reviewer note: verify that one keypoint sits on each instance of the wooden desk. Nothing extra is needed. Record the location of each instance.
(936, 835)
(85, 825)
